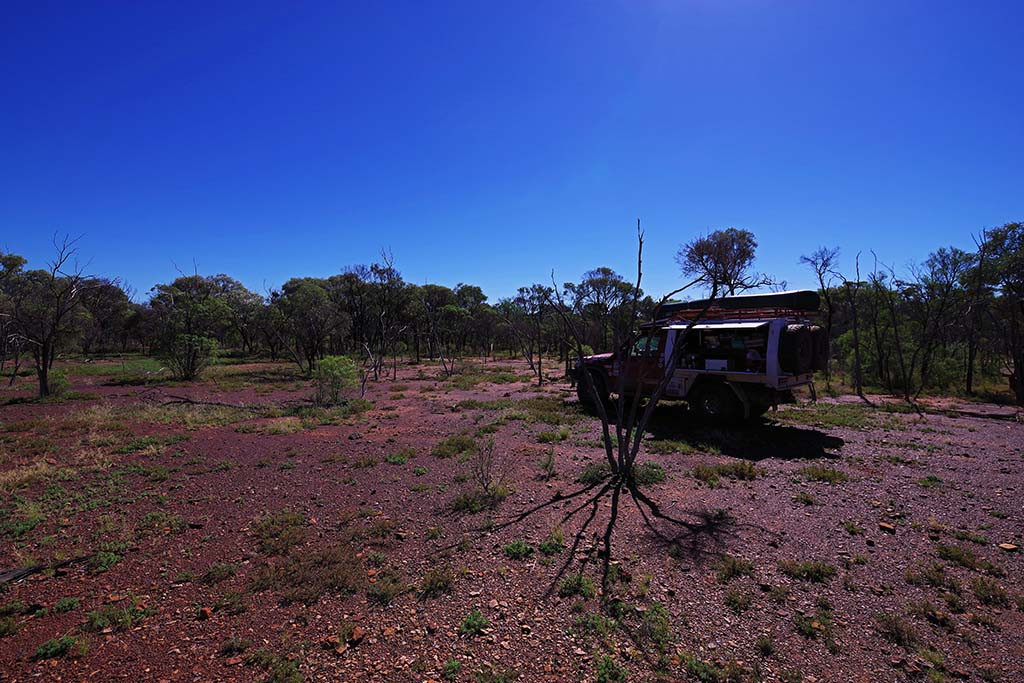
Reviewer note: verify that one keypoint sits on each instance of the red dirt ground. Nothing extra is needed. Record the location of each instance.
(75, 479)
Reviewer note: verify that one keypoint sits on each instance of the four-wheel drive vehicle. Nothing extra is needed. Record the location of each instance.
(743, 355)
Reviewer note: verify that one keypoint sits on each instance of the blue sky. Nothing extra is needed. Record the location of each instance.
(493, 142)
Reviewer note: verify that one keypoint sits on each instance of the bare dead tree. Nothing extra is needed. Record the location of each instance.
(632, 415)
(44, 304)
(852, 289)
(822, 262)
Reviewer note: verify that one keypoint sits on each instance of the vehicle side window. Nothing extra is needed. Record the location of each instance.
(647, 346)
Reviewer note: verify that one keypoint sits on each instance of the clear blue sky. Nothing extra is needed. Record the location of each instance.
(490, 142)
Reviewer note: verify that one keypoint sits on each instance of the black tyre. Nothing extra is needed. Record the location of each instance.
(821, 350)
(586, 396)
(717, 403)
(796, 352)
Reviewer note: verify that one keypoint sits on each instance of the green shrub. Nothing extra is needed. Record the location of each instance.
(386, 588)
(118, 617)
(711, 474)
(474, 624)
(648, 473)
(436, 582)
(402, 456)
(518, 550)
(989, 592)
(219, 571)
(56, 647)
(818, 572)
(8, 626)
(552, 436)
(554, 543)
(58, 383)
(967, 559)
(188, 355)
(731, 567)
(823, 474)
(594, 473)
(65, 605)
(893, 628)
(738, 601)
(577, 584)
(278, 532)
(479, 500)
(333, 375)
(609, 671)
(459, 444)
(450, 670)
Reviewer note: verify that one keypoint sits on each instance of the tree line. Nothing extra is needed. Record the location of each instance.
(954, 323)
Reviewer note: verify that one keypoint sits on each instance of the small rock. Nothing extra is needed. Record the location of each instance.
(205, 613)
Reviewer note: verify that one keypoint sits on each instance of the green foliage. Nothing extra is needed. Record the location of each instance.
(478, 500)
(552, 436)
(386, 588)
(459, 444)
(967, 559)
(117, 617)
(450, 670)
(55, 647)
(305, 576)
(188, 355)
(234, 646)
(554, 543)
(737, 600)
(607, 670)
(334, 374)
(594, 473)
(218, 572)
(577, 584)
(474, 624)
(711, 474)
(59, 383)
(278, 532)
(656, 627)
(648, 473)
(823, 474)
(547, 465)
(894, 628)
(730, 567)
(989, 592)
(402, 456)
(436, 582)
(65, 605)
(811, 570)
(517, 550)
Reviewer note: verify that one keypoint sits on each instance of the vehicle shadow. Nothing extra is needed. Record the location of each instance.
(751, 441)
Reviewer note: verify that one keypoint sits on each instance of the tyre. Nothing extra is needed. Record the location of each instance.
(796, 351)
(716, 402)
(587, 399)
(819, 343)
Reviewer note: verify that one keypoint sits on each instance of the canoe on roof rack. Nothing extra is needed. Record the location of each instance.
(801, 300)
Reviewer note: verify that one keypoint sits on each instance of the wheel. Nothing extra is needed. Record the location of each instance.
(717, 402)
(821, 351)
(796, 352)
(587, 399)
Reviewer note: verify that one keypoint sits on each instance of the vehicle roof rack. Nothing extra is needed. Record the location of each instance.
(735, 314)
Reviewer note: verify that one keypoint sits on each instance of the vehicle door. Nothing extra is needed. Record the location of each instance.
(646, 363)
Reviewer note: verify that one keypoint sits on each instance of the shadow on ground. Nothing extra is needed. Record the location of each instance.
(750, 441)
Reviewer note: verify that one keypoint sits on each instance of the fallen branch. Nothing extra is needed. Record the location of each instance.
(21, 572)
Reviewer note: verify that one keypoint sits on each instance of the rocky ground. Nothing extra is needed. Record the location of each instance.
(229, 530)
